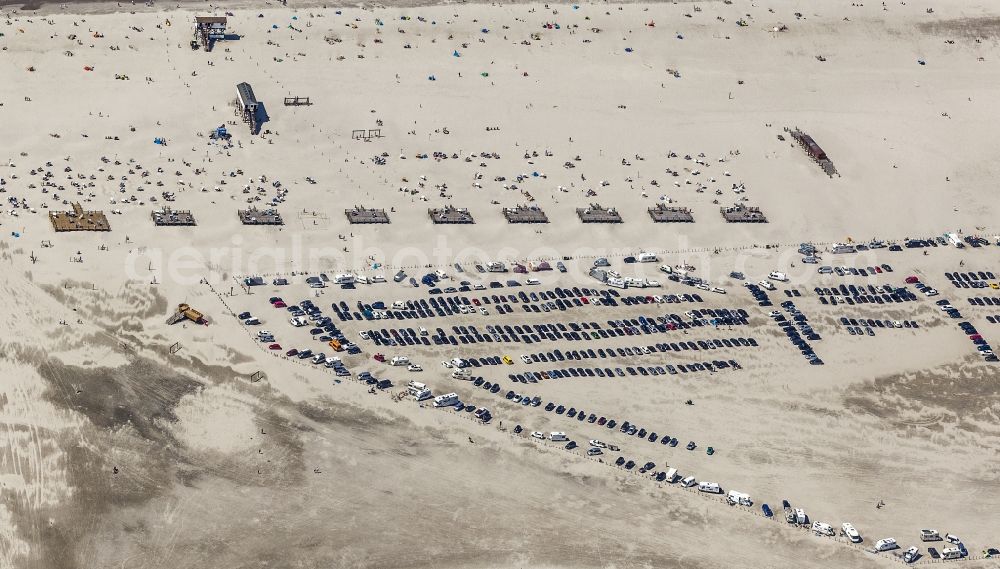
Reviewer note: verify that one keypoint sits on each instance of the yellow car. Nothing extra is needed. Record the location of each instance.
(995, 286)
(508, 361)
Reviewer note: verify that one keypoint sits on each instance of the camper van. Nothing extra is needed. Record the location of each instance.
(617, 282)
(740, 498)
(840, 248)
(557, 436)
(633, 282)
(776, 276)
(766, 284)
(688, 482)
(951, 553)
(421, 394)
(710, 488)
(461, 374)
(666, 269)
(800, 517)
(496, 267)
(377, 279)
(672, 476)
(886, 544)
(930, 535)
(446, 400)
(647, 258)
(850, 533)
(399, 361)
(345, 278)
(412, 386)
(820, 528)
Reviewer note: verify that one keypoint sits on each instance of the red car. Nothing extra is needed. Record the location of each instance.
(911, 280)
(475, 301)
(584, 300)
(274, 347)
(291, 352)
(280, 304)
(379, 358)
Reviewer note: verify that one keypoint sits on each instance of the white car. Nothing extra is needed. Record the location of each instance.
(537, 435)
(414, 367)
(598, 444)
(479, 287)
(364, 335)
(484, 312)
(447, 364)
(525, 359)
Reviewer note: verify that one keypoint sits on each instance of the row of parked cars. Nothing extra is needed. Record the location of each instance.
(862, 326)
(973, 279)
(984, 301)
(864, 294)
(982, 346)
(690, 367)
(855, 271)
(795, 336)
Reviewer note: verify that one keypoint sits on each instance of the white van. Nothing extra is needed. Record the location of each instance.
(850, 533)
(421, 394)
(415, 386)
(766, 284)
(800, 517)
(886, 544)
(557, 436)
(666, 269)
(399, 305)
(399, 361)
(345, 278)
(688, 482)
(672, 476)
(710, 487)
(461, 374)
(776, 276)
(647, 258)
(378, 279)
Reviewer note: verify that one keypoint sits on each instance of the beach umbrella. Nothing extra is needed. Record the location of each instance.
(486, 30)
(485, 74)
(431, 78)
(456, 54)
(628, 50)
(274, 26)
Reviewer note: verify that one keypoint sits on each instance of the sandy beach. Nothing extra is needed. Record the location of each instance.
(131, 442)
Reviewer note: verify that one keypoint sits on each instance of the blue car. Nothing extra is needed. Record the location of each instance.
(767, 510)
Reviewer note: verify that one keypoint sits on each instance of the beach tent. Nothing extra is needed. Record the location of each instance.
(456, 54)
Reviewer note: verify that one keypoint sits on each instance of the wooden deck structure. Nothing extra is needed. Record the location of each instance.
(366, 215)
(743, 214)
(167, 217)
(450, 214)
(207, 29)
(814, 151)
(297, 101)
(599, 214)
(79, 220)
(254, 216)
(525, 214)
(246, 105)
(663, 213)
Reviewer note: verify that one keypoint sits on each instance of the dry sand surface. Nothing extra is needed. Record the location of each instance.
(128, 442)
